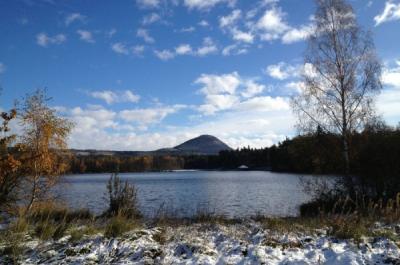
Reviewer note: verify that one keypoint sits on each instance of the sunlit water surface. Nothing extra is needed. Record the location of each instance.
(231, 193)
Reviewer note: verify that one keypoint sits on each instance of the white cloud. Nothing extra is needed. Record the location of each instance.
(230, 92)
(239, 35)
(188, 29)
(296, 87)
(282, 71)
(111, 97)
(2, 67)
(391, 12)
(149, 115)
(207, 48)
(264, 104)
(252, 88)
(144, 34)
(217, 84)
(164, 55)
(234, 49)
(151, 18)
(183, 49)
(138, 50)
(391, 76)
(74, 17)
(272, 24)
(206, 4)
(388, 102)
(148, 3)
(120, 47)
(204, 23)
(86, 36)
(42, 39)
(388, 105)
(298, 34)
(231, 19)
(93, 117)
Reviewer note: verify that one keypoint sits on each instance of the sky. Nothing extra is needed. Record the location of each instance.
(148, 74)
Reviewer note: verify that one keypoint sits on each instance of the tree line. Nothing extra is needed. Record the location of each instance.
(374, 156)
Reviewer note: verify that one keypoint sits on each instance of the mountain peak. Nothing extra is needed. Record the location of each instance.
(203, 144)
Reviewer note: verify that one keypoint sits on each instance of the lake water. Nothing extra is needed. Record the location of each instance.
(232, 193)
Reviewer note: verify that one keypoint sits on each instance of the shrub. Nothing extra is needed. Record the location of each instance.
(118, 225)
(122, 198)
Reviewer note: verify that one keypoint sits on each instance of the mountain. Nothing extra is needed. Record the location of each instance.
(204, 144)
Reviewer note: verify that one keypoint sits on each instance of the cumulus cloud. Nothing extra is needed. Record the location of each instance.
(206, 4)
(391, 76)
(216, 84)
(144, 34)
(147, 116)
(239, 35)
(208, 47)
(73, 17)
(231, 19)
(42, 39)
(122, 48)
(390, 12)
(204, 23)
(164, 55)
(282, 71)
(388, 102)
(111, 97)
(252, 88)
(272, 25)
(183, 49)
(138, 50)
(234, 93)
(298, 34)
(234, 49)
(86, 36)
(264, 104)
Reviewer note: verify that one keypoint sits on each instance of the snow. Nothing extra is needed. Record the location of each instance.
(247, 243)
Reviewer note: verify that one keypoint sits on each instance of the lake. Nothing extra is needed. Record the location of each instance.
(232, 193)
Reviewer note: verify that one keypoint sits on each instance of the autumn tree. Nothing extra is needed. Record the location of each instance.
(9, 166)
(342, 76)
(44, 145)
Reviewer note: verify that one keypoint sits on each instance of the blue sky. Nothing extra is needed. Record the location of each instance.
(146, 74)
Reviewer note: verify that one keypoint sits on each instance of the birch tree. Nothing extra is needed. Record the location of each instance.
(44, 143)
(341, 77)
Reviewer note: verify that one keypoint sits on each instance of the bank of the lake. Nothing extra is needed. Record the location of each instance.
(247, 242)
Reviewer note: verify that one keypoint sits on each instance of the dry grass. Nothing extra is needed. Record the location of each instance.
(120, 224)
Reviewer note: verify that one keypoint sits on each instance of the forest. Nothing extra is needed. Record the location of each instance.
(374, 155)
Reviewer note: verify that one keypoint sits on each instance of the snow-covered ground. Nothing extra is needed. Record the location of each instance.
(246, 243)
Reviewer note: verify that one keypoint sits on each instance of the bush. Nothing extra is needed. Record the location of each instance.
(122, 198)
(118, 225)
